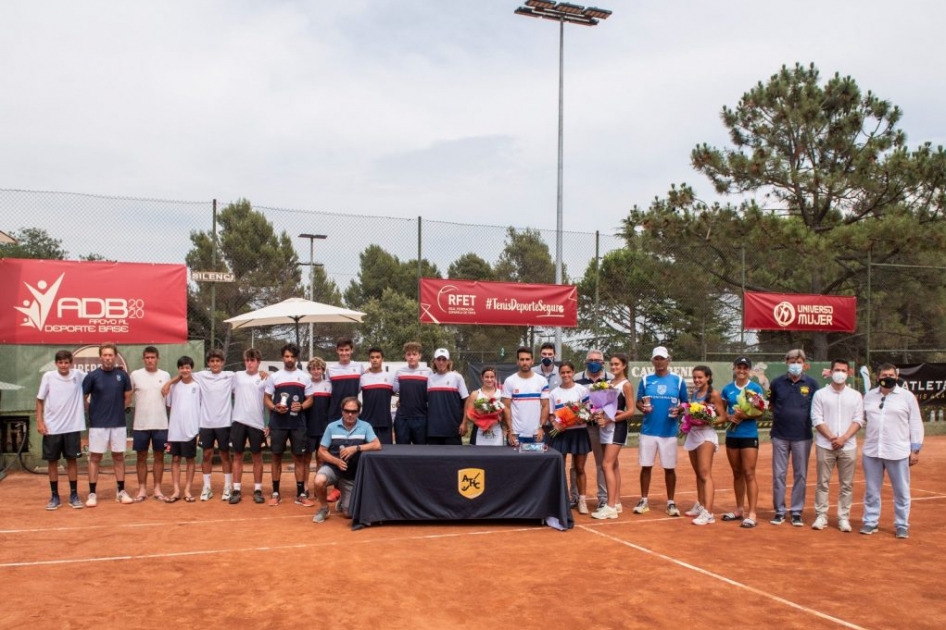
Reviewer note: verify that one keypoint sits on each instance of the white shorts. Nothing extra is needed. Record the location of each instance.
(103, 440)
(649, 447)
(700, 435)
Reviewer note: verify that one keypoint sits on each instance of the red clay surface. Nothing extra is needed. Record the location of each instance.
(250, 566)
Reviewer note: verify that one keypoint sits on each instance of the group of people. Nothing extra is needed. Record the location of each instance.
(336, 412)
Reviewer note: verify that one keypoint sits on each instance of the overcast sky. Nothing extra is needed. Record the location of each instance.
(406, 108)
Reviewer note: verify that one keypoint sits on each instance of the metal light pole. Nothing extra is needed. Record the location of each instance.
(312, 238)
(561, 12)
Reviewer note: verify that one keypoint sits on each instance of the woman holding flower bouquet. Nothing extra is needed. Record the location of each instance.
(707, 412)
(569, 417)
(612, 418)
(484, 410)
(742, 439)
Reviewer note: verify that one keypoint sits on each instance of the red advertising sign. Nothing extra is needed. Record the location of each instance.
(63, 302)
(791, 311)
(497, 303)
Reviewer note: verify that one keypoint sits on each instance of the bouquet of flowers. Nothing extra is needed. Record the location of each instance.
(696, 414)
(750, 403)
(570, 414)
(486, 412)
(604, 398)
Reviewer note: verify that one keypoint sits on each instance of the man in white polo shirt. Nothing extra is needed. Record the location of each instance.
(526, 397)
(150, 428)
(60, 419)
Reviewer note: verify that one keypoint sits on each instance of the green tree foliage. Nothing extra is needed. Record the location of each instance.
(392, 319)
(380, 270)
(33, 243)
(526, 258)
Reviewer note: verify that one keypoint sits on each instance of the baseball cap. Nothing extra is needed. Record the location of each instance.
(742, 359)
(442, 352)
(660, 351)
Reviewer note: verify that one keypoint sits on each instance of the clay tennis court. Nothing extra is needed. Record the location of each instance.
(250, 566)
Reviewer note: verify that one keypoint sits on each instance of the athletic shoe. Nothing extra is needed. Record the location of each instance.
(206, 494)
(303, 500)
(619, 507)
(75, 502)
(258, 497)
(582, 505)
(672, 509)
(820, 523)
(844, 526)
(235, 497)
(227, 492)
(778, 519)
(605, 512)
(902, 532)
(54, 503)
(334, 495)
(274, 501)
(321, 515)
(641, 507)
(92, 500)
(705, 518)
(867, 530)
(124, 497)
(796, 521)
(696, 510)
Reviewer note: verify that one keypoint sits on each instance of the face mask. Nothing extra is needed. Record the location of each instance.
(593, 366)
(795, 369)
(839, 377)
(546, 361)
(887, 382)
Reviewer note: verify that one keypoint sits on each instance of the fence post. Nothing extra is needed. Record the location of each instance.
(213, 285)
(420, 251)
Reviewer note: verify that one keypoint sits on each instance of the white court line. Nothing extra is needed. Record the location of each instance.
(148, 524)
(208, 552)
(726, 580)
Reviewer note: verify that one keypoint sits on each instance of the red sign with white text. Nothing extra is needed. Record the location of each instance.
(65, 302)
(497, 303)
(791, 311)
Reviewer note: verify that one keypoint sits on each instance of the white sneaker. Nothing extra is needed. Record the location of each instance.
(672, 509)
(92, 501)
(820, 523)
(641, 507)
(845, 526)
(124, 497)
(206, 494)
(226, 493)
(705, 518)
(605, 512)
(582, 505)
(618, 507)
(696, 510)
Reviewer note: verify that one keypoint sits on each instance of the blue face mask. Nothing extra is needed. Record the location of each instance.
(546, 361)
(593, 366)
(795, 369)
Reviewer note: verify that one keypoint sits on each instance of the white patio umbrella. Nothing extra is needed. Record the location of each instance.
(296, 311)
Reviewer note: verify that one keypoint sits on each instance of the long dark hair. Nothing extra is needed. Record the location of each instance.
(709, 378)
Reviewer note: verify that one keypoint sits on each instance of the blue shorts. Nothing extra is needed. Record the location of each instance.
(153, 440)
(221, 436)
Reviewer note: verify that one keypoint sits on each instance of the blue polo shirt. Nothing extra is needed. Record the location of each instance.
(107, 401)
(748, 427)
(665, 392)
(790, 402)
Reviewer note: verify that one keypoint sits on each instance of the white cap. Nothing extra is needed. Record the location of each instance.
(660, 351)
(442, 352)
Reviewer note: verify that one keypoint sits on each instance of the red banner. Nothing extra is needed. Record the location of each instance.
(62, 302)
(791, 311)
(497, 303)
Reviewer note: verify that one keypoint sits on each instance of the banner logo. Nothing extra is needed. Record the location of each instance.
(38, 310)
(497, 303)
(471, 482)
(784, 313)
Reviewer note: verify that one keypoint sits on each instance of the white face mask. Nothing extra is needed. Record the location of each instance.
(839, 377)
(795, 369)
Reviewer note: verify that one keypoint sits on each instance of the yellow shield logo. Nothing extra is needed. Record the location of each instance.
(471, 482)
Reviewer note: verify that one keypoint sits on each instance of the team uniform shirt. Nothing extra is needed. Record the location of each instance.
(525, 408)
(345, 381)
(665, 392)
(151, 412)
(838, 410)
(287, 387)
(895, 429)
(107, 406)
(445, 396)
(377, 389)
(317, 415)
(216, 392)
(248, 408)
(185, 402)
(790, 402)
(63, 409)
(552, 379)
(561, 396)
(337, 437)
(748, 427)
(411, 387)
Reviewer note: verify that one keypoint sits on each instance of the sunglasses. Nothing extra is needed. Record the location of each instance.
(349, 411)
(883, 399)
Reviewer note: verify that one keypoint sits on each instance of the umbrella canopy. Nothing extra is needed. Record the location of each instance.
(295, 311)
(6, 238)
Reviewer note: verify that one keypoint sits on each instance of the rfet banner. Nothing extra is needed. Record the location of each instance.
(63, 302)
(792, 311)
(497, 303)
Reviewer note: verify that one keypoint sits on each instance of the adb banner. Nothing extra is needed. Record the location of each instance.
(793, 311)
(497, 303)
(65, 302)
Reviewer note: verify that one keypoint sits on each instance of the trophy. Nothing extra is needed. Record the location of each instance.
(284, 399)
